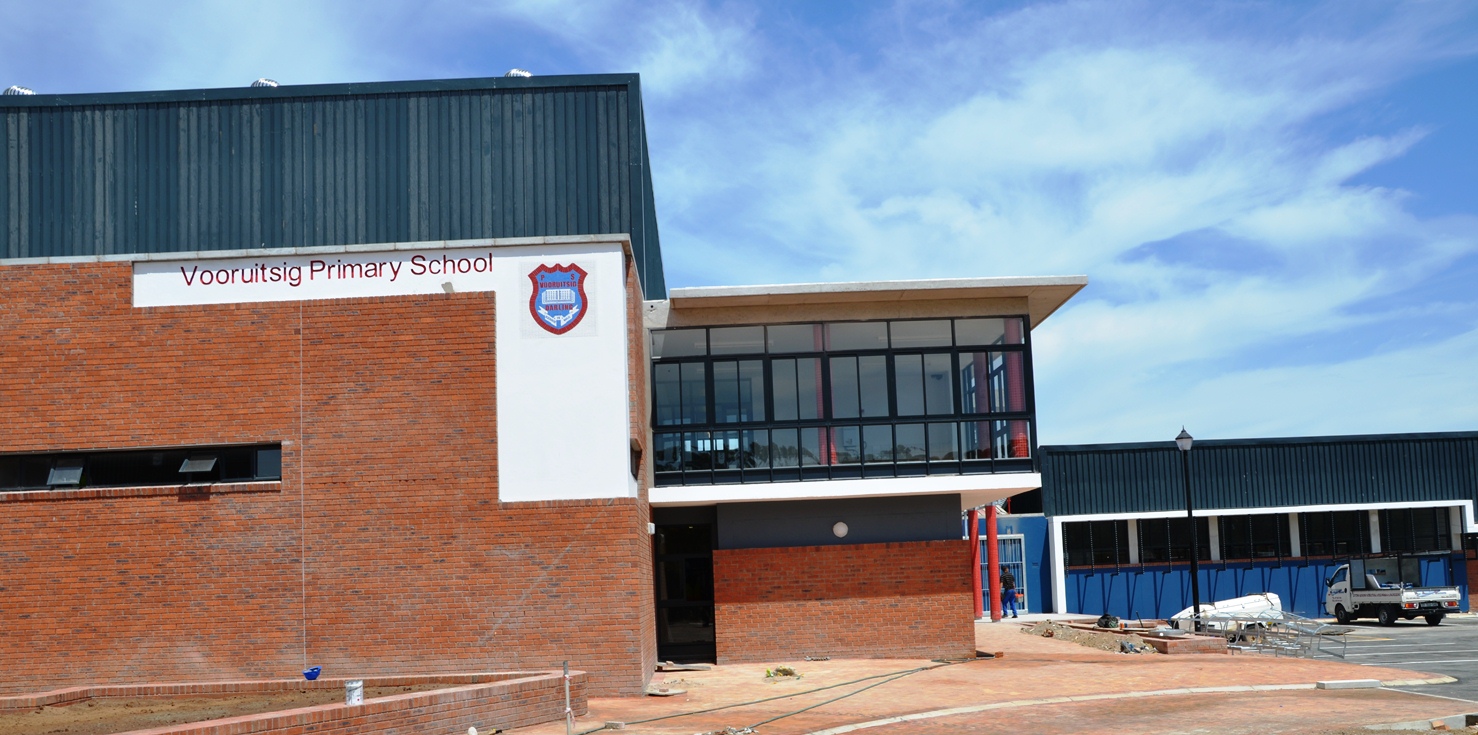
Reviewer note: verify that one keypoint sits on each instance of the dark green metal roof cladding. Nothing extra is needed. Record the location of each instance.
(228, 169)
(1260, 473)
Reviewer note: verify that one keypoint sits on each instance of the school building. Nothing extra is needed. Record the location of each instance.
(386, 378)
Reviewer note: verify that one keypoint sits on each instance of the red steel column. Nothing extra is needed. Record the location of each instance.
(993, 563)
(973, 518)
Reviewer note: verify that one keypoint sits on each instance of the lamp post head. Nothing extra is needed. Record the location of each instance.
(1183, 440)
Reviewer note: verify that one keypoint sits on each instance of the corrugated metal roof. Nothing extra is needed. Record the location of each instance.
(328, 165)
(1260, 473)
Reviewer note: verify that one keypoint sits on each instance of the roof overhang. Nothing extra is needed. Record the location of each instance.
(1044, 294)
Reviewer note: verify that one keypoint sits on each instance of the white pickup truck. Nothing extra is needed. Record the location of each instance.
(1388, 590)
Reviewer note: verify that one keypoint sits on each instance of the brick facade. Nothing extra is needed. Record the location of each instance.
(892, 600)
(384, 550)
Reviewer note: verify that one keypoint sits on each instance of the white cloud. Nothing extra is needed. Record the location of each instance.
(1068, 138)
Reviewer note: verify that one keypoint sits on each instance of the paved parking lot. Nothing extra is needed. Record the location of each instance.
(1450, 648)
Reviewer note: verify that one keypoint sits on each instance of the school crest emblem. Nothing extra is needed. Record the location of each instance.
(558, 302)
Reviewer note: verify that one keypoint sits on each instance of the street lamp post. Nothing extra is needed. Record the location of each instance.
(1183, 442)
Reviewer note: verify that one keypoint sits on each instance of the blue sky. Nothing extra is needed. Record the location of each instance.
(1276, 203)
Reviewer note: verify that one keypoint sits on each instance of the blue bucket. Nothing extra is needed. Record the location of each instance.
(311, 674)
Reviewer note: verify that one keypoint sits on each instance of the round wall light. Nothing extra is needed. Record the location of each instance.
(840, 529)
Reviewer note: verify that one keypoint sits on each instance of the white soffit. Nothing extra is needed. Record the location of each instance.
(1044, 294)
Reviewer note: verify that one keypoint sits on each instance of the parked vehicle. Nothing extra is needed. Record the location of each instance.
(1387, 589)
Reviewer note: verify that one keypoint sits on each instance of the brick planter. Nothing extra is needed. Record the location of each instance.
(499, 700)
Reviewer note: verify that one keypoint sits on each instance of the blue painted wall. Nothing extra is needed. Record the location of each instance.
(1033, 530)
(1159, 591)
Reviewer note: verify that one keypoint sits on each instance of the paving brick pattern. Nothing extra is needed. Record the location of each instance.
(1033, 668)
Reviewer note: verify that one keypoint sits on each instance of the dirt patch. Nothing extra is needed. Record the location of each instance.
(1102, 641)
(108, 715)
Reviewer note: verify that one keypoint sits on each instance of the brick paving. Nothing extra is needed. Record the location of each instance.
(1033, 668)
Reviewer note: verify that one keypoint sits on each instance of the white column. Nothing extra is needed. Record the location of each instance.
(1455, 521)
(1213, 536)
(1133, 541)
(1374, 531)
(1295, 539)
(1058, 556)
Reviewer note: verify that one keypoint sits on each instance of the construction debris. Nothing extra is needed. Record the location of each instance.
(670, 666)
(662, 690)
(781, 672)
(1131, 643)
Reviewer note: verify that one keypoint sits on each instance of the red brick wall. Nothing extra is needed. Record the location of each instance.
(384, 550)
(895, 600)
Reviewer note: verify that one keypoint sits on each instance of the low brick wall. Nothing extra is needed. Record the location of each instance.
(500, 700)
(892, 600)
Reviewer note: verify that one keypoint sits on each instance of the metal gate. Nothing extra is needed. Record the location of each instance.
(1012, 550)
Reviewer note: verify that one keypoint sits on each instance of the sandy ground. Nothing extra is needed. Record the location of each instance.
(1032, 668)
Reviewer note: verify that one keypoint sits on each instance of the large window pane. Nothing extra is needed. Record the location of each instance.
(695, 393)
(877, 443)
(755, 447)
(794, 338)
(797, 388)
(697, 451)
(872, 383)
(738, 391)
(736, 340)
(1013, 440)
(679, 343)
(1351, 531)
(857, 336)
(983, 332)
(907, 335)
(992, 382)
(1180, 539)
(939, 396)
(726, 454)
(975, 439)
(908, 379)
(846, 442)
(667, 387)
(1011, 383)
(943, 445)
(909, 443)
(814, 447)
(844, 400)
(785, 447)
(668, 454)
(1096, 543)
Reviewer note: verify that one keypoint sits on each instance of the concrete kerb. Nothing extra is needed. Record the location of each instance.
(1018, 703)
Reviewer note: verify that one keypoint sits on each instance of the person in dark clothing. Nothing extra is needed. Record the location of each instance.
(1008, 591)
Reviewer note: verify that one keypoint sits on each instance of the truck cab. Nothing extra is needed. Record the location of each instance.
(1387, 589)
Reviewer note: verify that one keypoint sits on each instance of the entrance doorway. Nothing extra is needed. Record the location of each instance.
(1012, 550)
(682, 556)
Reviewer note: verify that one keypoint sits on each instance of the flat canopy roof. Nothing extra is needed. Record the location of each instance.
(1044, 294)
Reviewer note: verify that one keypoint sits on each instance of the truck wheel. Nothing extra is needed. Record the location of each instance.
(1342, 615)
(1386, 615)
(1434, 619)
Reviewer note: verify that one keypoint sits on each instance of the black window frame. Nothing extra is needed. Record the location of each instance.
(1002, 429)
(155, 467)
(1400, 534)
(1096, 545)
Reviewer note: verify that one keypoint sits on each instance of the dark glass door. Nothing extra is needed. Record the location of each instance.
(683, 560)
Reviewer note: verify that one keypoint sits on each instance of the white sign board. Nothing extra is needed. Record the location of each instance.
(310, 277)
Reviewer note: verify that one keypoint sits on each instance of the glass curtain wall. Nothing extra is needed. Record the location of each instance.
(769, 403)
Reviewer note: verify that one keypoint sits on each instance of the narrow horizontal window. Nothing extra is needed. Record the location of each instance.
(140, 468)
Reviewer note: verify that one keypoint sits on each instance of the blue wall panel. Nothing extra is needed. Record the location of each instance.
(1162, 591)
(1033, 530)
